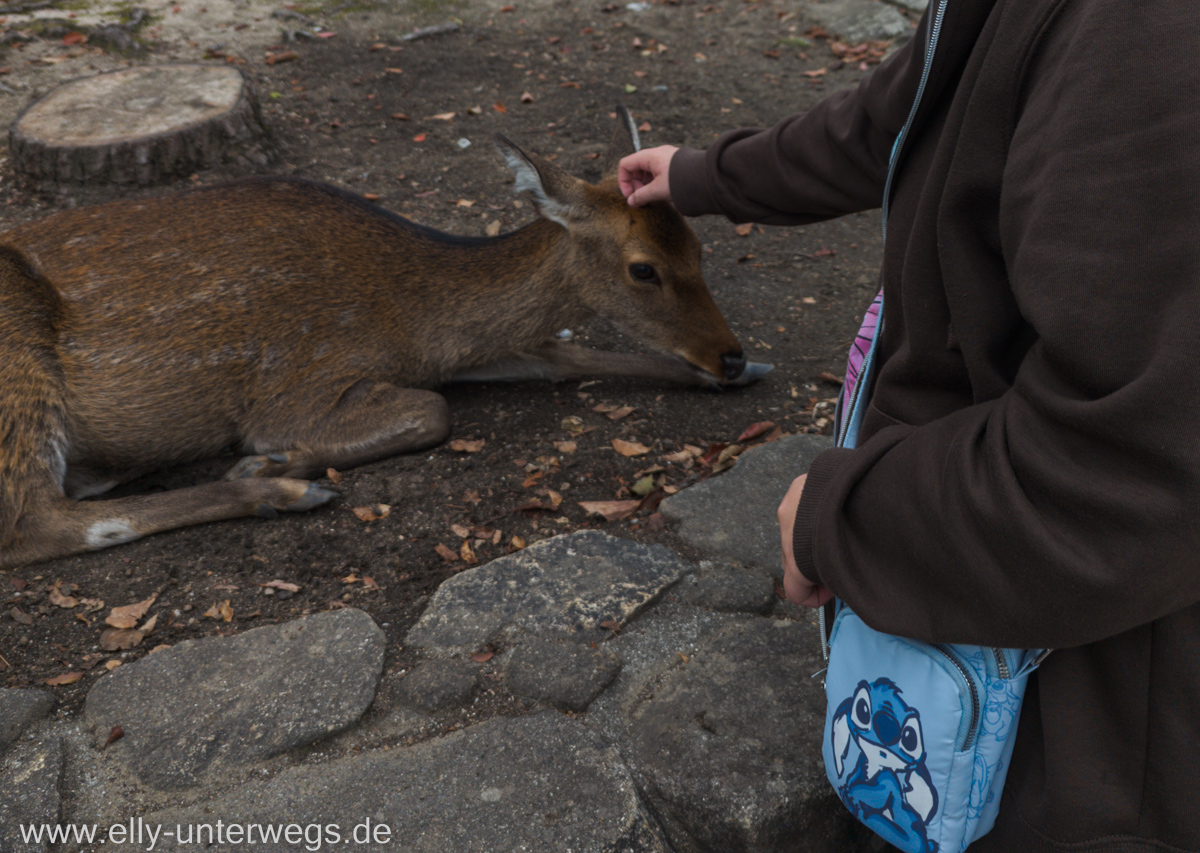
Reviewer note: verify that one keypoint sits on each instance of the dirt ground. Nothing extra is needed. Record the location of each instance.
(547, 75)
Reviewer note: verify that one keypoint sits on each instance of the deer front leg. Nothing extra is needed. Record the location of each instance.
(365, 422)
(557, 361)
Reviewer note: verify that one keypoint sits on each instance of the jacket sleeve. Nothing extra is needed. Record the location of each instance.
(1067, 509)
(826, 162)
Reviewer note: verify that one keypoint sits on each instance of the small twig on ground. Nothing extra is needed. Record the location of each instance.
(32, 5)
(425, 32)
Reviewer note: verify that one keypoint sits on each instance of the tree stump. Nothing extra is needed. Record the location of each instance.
(139, 126)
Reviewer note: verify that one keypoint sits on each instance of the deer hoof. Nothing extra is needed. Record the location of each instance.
(266, 511)
(249, 466)
(313, 496)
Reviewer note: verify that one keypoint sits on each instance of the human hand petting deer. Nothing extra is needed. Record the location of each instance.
(644, 177)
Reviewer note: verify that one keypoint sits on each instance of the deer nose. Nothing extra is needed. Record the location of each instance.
(733, 363)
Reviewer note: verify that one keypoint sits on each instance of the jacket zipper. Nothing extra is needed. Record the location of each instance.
(935, 31)
(931, 46)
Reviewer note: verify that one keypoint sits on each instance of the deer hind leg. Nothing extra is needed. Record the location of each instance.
(61, 527)
(364, 422)
(37, 520)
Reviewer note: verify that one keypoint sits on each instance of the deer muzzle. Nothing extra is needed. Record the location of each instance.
(732, 364)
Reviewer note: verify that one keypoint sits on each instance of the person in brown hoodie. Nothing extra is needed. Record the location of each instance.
(1027, 473)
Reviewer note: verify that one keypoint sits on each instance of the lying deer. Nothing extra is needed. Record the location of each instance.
(305, 326)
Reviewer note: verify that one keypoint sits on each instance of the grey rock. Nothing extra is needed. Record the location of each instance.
(733, 515)
(734, 590)
(859, 20)
(565, 675)
(436, 685)
(559, 587)
(911, 5)
(728, 749)
(29, 795)
(206, 703)
(541, 784)
(18, 710)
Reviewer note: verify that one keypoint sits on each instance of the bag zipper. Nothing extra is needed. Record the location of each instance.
(1001, 663)
(967, 677)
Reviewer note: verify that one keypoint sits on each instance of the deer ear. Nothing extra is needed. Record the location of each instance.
(555, 193)
(625, 141)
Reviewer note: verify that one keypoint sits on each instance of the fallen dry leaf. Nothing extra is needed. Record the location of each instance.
(461, 531)
(74, 38)
(221, 610)
(610, 510)
(629, 448)
(110, 665)
(499, 107)
(443, 116)
(400, 116)
(678, 457)
(369, 582)
(493, 228)
(727, 457)
(115, 733)
(526, 98)
(285, 56)
(120, 639)
(482, 657)
(516, 543)
(284, 585)
(820, 72)
(445, 553)
(623, 411)
(826, 376)
(371, 513)
(60, 595)
(574, 425)
(755, 430)
(128, 616)
(467, 553)
(65, 678)
(612, 625)
(334, 476)
(467, 445)
(565, 446)
(20, 616)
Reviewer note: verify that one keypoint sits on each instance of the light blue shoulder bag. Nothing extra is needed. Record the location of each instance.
(917, 736)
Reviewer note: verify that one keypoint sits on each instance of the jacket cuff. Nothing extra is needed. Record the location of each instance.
(689, 183)
(820, 474)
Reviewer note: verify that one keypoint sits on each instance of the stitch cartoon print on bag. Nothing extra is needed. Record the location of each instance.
(890, 789)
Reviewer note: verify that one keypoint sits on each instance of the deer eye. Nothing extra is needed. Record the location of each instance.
(643, 272)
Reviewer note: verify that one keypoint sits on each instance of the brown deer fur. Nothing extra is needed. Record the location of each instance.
(306, 327)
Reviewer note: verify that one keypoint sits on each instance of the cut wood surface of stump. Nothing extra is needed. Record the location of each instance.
(139, 126)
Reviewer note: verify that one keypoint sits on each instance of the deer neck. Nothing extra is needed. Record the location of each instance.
(511, 293)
